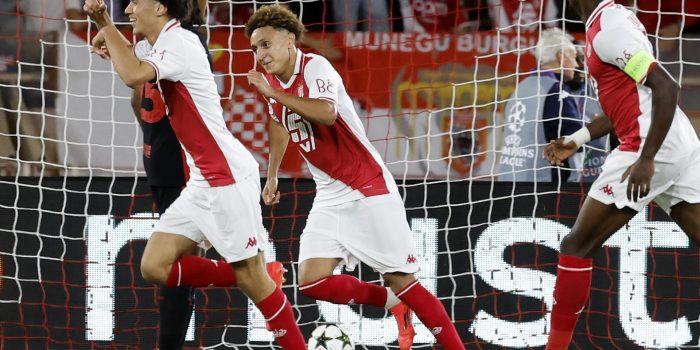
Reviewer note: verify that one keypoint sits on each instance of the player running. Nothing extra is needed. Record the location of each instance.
(220, 202)
(357, 215)
(658, 157)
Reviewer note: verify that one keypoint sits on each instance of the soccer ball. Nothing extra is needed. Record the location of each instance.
(329, 337)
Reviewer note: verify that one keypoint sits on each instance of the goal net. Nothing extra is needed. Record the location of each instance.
(433, 82)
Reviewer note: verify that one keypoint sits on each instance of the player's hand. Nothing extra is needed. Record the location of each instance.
(557, 151)
(99, 47)
(258, 80)
(639, 174)
(97, 11)
(270, 194)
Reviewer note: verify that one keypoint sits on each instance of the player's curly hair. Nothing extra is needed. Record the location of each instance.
(275, 16)
(178, 9)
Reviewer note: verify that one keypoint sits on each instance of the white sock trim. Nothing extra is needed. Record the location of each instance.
(391, 299)
(575, 269)
(413, 284)
(278, 311)
(313, 284)
(179, 273)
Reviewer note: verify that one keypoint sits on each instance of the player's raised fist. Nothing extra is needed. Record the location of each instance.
(258, 80)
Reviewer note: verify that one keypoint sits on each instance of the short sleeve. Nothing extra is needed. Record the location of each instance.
(167, 57)
(627, 48)
(322, 79)
(141, 49)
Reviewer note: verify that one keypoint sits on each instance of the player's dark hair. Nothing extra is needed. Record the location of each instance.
(178, 9)
(275, 16)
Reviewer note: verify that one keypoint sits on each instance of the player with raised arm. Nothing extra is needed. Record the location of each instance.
(220, 201)
(357, 215)
(658, 157)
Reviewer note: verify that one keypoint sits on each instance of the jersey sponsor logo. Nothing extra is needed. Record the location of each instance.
(607, 189)
(252, 242)
(324, 86)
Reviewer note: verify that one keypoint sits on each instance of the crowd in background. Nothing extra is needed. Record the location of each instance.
(30, 29)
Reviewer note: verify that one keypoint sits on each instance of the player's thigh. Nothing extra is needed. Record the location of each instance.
(233, 223)
(687, 216)
(608, 189)
(320, 250)
(595, 223)
(376, 232)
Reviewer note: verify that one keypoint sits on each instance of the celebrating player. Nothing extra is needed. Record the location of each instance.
(220, 202)
(658, 157)
(357, 214)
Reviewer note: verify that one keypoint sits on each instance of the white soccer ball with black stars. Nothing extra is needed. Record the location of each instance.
(329, 337)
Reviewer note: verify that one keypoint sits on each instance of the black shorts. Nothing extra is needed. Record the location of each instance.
(164, 196)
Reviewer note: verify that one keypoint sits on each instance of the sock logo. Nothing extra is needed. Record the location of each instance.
(279, 333)
(252, 242)
(436, 330)
(352, 301)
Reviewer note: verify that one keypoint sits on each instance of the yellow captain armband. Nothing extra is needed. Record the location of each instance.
(638, 66)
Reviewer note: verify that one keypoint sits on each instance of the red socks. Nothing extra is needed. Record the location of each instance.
(280, 317)
(200, 272)
(432, 313)
(570, 294)
(344, 289)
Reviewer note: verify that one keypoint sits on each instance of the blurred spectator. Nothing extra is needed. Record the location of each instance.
(361, 15)
(540, 110)
(595, 151)
(225, 14)
(430, 16)
(523, 15)
(28, 36)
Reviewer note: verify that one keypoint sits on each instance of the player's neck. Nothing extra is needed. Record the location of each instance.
(289, 70)
(157, 28)
(586, 9)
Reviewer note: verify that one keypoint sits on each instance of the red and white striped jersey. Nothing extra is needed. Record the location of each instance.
(344, 164)
(214, 156)
(613, 37)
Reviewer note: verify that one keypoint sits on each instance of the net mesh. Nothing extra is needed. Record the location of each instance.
(430, 80)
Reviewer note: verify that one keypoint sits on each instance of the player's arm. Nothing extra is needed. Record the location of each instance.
(664, 98)
(315, 110)
(131, 70)
(562, 148)
(279, 138)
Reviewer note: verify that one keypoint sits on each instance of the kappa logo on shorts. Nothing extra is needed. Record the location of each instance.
(607, 189)
(411, 259)
(252, 242)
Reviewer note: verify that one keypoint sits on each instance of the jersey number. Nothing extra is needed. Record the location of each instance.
(301, 132)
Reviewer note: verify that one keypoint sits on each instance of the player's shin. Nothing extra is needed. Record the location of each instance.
(345, 289)
(279, 315)
(175, 308)
(570, 294)
(432, 313)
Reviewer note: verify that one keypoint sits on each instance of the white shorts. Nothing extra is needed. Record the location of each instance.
(371, 230)
(671, 184)
(229, 217)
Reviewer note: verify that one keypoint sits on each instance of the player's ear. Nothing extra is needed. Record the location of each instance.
(161, 9)
(292, 40)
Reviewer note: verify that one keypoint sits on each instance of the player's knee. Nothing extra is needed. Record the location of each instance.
(571, 245)
(152, 272)
(398, 280)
